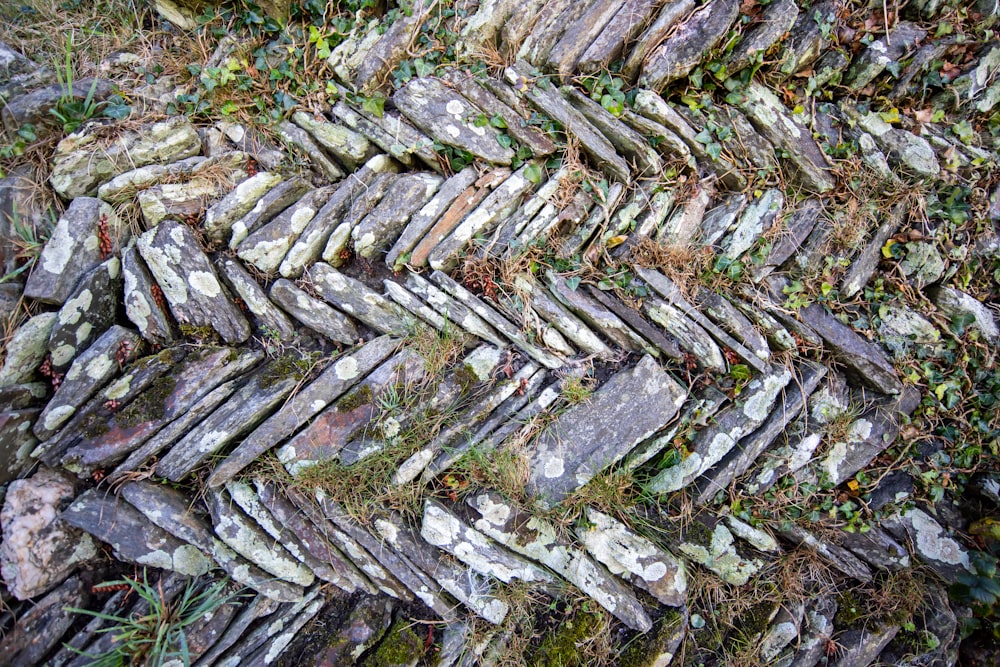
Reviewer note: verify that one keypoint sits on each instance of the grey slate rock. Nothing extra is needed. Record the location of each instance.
(913, 156)
(189, 283)
(382, 226)
(347, 146)
(313, 313)
(360, 301)
(597, 316)
(537, 539)
(39, 630)
(157, 405)
(409, 146)
(124, 187)
(773, 121)
(16, 442)
(550, 102)
(627, 409)
(267, 247)
(220, 216)
(132, 537)
(890, 49)
(877, 548)
(861, 647)
(669, 15)
(27, 348)
(273, 323)
(958, 305)
(74, 249)
(864, 265)
(273, 202)
(145, 306)
(584, 27)
(713, 442)
(835, 555)
(82, 161)
(717, 550)
(775, 20)
(677, 56)
(354, 191)
(87, 313)
(246, 538)
(393, 45)
(867, 437)
(452, 311)
(336, 252)
(690, 336)
(253, 401)
(448, 117)
(796, 228)
(422, 221)
(620, 30)
(862, 358)
(807, 40)
(755, 220)
(302, 140)
(88, 374)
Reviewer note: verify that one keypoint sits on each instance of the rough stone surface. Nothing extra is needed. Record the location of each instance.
(39, 550)
(312, 312)
(26, 349)
(680, 54)
(188, 282)
(87, 313)
(145, 306)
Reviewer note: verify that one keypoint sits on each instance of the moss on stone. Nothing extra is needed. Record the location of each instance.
(360, 396)
(401, 646)
(149, 405)
(94, 426)
(466, 377)
(202, 333)
(645, 649)
(285, 366)
(565, 646)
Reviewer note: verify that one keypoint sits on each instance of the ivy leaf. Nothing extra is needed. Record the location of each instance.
(505, 141)
(573, 282)
(374, 105)
(533, 172)
(423, 67)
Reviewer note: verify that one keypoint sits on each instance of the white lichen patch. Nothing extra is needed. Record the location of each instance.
(346, 368)
(119, 388)
(83, 333)
(63, 354)
(554, 467)
(758, 406)
(57, 416)
(205, 283)
(58, 250)
(932, 542)
(73, 310)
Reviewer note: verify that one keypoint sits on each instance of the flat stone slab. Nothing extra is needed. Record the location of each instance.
(627, 409)
(447, 116)
(246, 538)
(330, 430)
(866, 438)
(716, 549)
(270, 204)
(189, 283)
(87, 313)
(26, 349)
(712, 443)
(376, 233)
(145, 305)
(272, 323)
(267, 247)
(254, 401)
(87, 234)
(537, 539)
(39, 630)
(220, 217)
(132, 537)
(347, 146)
(83, 161)
(443, 529)
(89, 372)
(173, 512)
(358, 300)
(315, 314)
(332, 383)
(680, 54)
(633, 557)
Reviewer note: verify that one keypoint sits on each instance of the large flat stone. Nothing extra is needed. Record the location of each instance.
(189, 283)
(677, 56)
(537, 539)
(87, 314)
(630, 407)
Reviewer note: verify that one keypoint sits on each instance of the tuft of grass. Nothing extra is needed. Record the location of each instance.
(159, 636)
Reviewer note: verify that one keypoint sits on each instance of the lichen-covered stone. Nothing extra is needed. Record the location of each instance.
(756, 219)
(381, 227)
(354, 193)
(87, 234)
(393, 45)
(87, 313)
(273, 323)
(961, 307)
(337, 253)
(89, 372)
(713, 442)
(39, 550)
(132, 537)
(219, 218)
(270, 204)
(84, 161)
(248, 407)
(298, 138)
(689, 335)
(835, 555)
(357, 299)
(315, 314)
(350, 148)
(330, 430)
(144, 304)
(39, 630)
(449, 118)
(630, 143)
(883, 52)
(124, 187)
(775, 20)
(537, 539)
(267, 247)
(422, 221)
(676, 57)
(911, 154)
(26, 349)
(653, 35)
(716, 550)
(452, 312)
(632, 556)
(189, 283)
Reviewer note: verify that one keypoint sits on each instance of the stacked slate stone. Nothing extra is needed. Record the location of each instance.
(246, 318)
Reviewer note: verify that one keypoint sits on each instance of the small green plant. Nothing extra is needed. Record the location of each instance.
(160, 635)
(28, 241)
